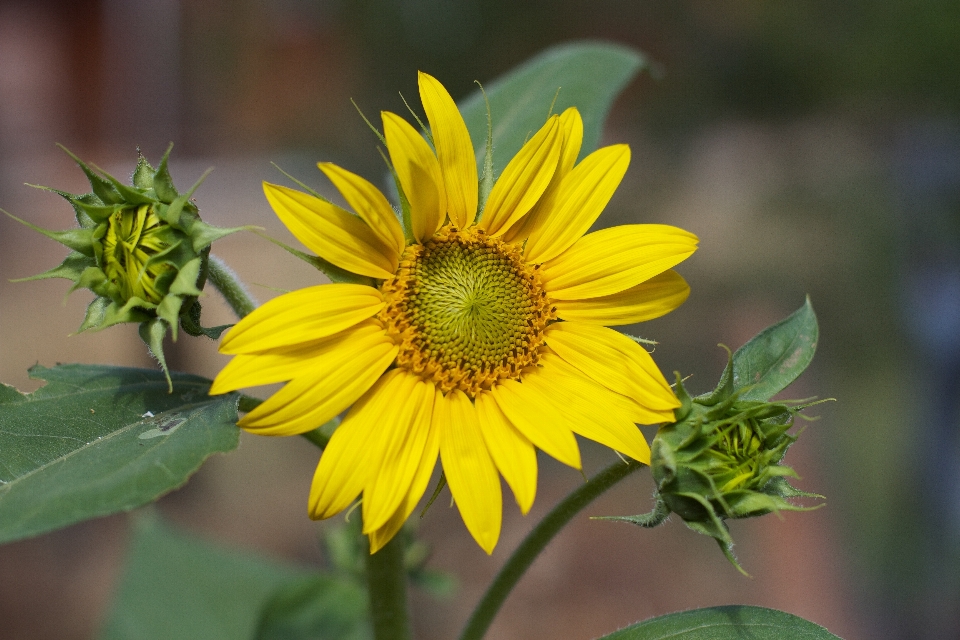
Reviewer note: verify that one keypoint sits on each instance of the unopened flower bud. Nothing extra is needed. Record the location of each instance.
(141, 248)
(722, 460)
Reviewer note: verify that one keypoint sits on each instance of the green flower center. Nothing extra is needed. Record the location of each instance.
(132, 244)
(466, 310)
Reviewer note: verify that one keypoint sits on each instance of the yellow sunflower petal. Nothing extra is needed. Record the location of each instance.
(571, 131)
(613, 360)
(458, 164)
(657, 296)
(369, 203)
(593, 410)
(537, 418)
(402, 454)
(344, 372)
(511, 451)
(298, 360)
(581, 196)
(257, 369)
(349, 459)
(613, 260)
(301, 316)
(332, 233)
(419, 173)
(633, 410)
(523, 180)
(469, 470)
(421, 479)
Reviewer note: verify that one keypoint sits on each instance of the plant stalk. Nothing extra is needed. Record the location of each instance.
(226, 282)
(536, 541)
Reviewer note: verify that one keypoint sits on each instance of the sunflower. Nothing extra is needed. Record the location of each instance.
(483, 334)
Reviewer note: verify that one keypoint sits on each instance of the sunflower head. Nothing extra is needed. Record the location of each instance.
(140, 248)
(469, 325)
(722, 459)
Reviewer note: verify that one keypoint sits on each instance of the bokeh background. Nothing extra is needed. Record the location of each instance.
(814, 147)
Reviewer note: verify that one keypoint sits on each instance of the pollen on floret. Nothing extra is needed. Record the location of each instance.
(466, 311)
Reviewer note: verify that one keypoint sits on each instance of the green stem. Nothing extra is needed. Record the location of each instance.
(227, 283)
(536, 541)
(387, 586)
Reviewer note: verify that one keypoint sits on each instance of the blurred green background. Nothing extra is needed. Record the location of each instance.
(813, 146)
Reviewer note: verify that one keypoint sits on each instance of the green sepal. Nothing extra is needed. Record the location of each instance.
(171, 213)
(405, 208)
(91, 278)
(202, 235)
(80, 240)
(335, 273)
(101, 187)
(485, 184)
(152, 333)
(96, 311)
(724, 389)
(97, 213)
(441, 483)
(134, 310)
(169, 311)
(70, 269)
(129, 195)
(162, 182)
(142, 177)
(79, 203)
(316, 194)
(185, 283)
(190, 323)
(653, 518)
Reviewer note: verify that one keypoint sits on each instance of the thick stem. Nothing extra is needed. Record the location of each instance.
(536, 541)
(387, 586)
(225, 280)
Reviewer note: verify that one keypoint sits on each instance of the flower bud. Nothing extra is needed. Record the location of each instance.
(722, 459)
(141, 248)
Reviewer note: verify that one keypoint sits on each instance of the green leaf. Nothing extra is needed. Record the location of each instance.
(335, 273)
(589, 75)
(176, 586)
(316, 607)
(97, 440)
(724, 623)
(776, 356)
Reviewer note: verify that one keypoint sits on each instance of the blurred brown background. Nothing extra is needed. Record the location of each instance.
(814, 147)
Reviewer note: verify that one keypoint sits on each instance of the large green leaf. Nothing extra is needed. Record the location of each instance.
(97, 440)
(176, 586)
(724, 623)
(774, 358)
(588, 75)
